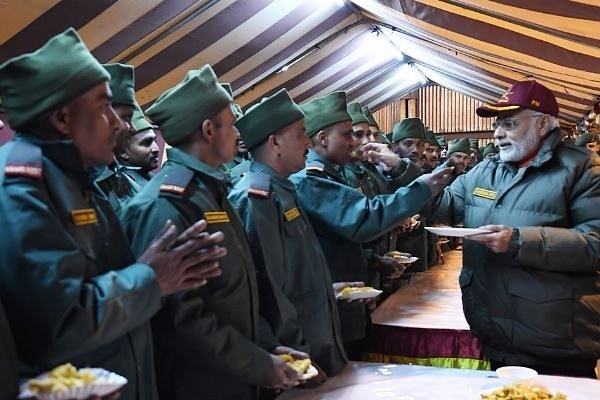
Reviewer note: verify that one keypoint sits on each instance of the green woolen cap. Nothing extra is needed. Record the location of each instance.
(34, 84)
(367, 112)
(139, 121)
(182, 109)
(408, 128)
(237, 111)
(356, 114)
(383, 138)
(268, 117)
(459, 145)
(121, 84)
(489, 148)
(324, 111)
(474, 143)
(430, 138)
(442, 140)
(227, 88)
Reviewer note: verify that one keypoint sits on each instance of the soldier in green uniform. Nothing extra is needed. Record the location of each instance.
(71, 288)
(411, 237)
(140, 155)
(117, 186)
(206, 340)
(343, 217)
(296, 291)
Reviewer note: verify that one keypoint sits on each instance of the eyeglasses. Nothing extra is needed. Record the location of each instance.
(509, 124)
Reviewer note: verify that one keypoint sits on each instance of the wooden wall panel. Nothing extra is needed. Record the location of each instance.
(444, 111)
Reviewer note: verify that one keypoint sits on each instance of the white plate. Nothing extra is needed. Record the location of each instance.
(359, 295)
(458, 232)
(311, 372)
(106, 382)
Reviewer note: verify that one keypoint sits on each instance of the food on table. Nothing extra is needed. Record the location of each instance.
(523, 392)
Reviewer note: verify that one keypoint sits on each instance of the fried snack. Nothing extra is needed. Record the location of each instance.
(61, 378)
(301, 365)
(523, 392)
(348, 290)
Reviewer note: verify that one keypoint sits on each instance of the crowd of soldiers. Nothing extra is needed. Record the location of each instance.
(191, 282)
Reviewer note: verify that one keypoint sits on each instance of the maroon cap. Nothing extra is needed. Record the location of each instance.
(524, 94)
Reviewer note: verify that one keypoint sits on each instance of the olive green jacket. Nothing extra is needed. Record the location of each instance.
(9, 381)
(296, 291)
(68, 281)
(205, 339)
(540, 304)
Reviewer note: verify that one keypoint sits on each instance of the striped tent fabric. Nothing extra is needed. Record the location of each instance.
(376, 50)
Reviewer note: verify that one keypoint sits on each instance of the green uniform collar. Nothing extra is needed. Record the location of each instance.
(176, 155)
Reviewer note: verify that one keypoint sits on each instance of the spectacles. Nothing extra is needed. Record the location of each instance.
(509, 124)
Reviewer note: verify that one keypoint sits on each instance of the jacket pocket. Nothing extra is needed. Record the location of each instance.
(542, 313)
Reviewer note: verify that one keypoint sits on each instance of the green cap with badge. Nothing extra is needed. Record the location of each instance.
(459, 146)
(325, 111)
(121, 84)
(367, 112)
(356, 114)
(182, 109)
(408, 128)
(268, 117)
(34, 84)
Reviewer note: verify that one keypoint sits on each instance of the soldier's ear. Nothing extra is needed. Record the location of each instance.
(322, 136)
(59, 118)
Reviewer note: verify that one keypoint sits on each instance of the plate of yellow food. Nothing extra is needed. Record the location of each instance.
(520, 392)
(302, 365)
(356, 293)
(66, 382)
(403, 258)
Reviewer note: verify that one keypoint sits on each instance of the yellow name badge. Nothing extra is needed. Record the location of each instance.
(216, 217)
(485, 193)
(291, 214)
(85, 216)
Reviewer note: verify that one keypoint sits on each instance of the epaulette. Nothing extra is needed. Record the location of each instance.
(24, 159)
(315, 167)
(260, 186)
(177, 181)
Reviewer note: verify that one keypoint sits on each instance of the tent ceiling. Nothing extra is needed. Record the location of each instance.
(376, 50)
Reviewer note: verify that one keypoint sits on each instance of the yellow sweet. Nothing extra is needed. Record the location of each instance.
(523, 392)
(61, 378)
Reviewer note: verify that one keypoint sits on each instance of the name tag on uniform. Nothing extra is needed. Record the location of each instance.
(216, 217)
(485, 193)
(84, 216)
(291, 214)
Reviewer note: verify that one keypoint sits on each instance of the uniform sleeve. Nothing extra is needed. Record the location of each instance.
(552, 248)
(353, 216)
(448, 206)
(196, 323)
(56, 312)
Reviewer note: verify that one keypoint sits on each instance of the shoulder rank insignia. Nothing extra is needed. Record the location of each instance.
(177, 181)
(25, 159)
(260, 186)
(315, 167)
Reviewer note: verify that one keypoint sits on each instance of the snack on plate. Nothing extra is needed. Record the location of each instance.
(301, 365)
(521, 392)
(351, 289)
(61, 378)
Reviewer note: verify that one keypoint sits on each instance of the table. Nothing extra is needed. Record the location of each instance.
(360, 380)
(423, 323)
